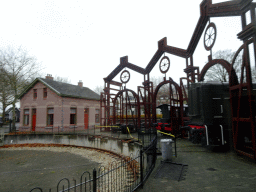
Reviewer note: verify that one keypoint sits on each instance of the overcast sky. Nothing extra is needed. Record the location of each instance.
(84, 40)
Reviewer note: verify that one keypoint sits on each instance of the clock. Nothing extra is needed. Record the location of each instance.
(164, 64)
(125, 76)
(210, 36)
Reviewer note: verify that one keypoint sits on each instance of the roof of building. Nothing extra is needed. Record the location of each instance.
(64, 89)
(10, 109)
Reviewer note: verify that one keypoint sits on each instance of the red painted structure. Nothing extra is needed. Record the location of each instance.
(241, 93)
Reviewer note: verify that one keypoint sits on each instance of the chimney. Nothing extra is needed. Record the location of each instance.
(80, 83)
(49, 76)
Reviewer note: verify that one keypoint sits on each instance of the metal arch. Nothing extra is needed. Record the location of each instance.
(138, 103)
(183, 89)
(163, 83)
(223, 63)
(68, 182)
(41, 190)
(235, 81)
(242, 99)
(145, 94)
(207, 10)
(125, 90)
(178, 89)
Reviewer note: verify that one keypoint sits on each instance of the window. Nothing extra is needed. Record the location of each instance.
(35, 94)
(26, 117)
(72, 116)
(86, 110)
(45, 92)
(50, 113)
(97, 116)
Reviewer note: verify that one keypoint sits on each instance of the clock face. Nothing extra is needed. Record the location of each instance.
(125, 76)
(164, 64)
(210, 36)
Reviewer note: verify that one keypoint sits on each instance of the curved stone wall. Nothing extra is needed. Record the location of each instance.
(106, 143)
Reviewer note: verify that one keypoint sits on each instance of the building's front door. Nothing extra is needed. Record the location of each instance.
(86, 118)
(33, 119)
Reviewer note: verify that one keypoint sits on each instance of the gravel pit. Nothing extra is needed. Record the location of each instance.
(23, 168)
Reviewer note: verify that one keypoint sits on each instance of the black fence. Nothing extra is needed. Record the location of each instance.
(89, 130)
(72, 129)
(128, 174)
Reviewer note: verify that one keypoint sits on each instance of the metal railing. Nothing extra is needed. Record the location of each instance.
(72, 129)
(128, 174)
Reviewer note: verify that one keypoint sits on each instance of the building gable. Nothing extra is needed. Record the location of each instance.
(63, 89)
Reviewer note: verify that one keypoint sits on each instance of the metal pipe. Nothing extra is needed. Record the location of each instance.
(175, 145)
(94, 180)
(222, 136)
(141, 168)
(206, 132)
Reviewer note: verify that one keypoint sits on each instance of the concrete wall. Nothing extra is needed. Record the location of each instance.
(111, 144)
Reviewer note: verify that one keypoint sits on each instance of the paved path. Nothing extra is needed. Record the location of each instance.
(207, 171)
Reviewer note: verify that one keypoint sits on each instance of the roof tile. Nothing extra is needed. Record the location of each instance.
(69, 90)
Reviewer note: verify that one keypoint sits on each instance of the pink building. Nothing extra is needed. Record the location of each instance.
(48, 105)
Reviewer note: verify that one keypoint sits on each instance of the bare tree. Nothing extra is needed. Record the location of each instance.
(219, 73)
(163, 95)
(62, 79)
(19, 69)
(98, 89)
(5, 93)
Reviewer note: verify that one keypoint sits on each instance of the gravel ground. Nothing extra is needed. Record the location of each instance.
(25, 168)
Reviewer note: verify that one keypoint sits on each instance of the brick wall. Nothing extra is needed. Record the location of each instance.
(61, 106)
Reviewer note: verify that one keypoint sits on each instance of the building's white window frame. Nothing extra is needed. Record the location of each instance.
(26, 117)
(97, 116)
(50, 116)
(34, 93)
(73, 115)
(45, 93)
